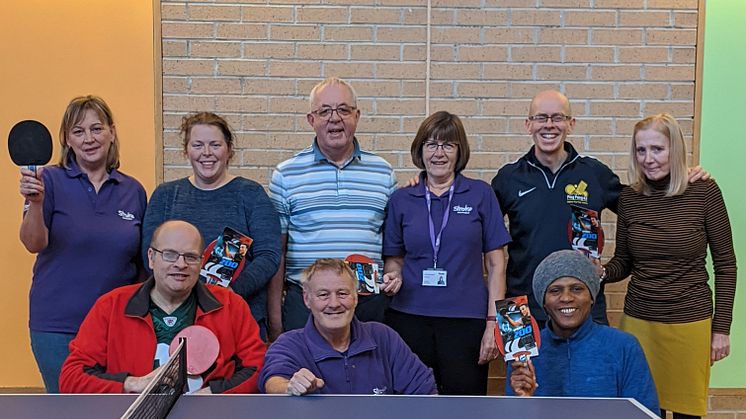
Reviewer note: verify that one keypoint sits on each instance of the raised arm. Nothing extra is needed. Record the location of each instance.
(34, 234)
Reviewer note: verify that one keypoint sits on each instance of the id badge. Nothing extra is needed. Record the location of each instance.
(434, 277)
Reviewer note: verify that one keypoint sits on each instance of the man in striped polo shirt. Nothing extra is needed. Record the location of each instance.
(331, 199)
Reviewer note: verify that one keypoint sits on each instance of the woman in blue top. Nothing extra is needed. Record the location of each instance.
(213, 199)
(438, 235)
(83, 218)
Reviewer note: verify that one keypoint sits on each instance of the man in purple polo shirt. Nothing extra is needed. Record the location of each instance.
(337, 354)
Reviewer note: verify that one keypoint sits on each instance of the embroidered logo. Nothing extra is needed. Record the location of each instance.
(126, 215)
(527, 191)
(379, 391)
(170, 321)
(577, 194)
(462, 209)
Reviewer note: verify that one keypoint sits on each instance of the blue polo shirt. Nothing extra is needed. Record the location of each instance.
(329, 211)
(475, 226)
(376, 362)
(94, 242)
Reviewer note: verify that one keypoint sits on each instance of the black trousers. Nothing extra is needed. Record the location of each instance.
(450, 346)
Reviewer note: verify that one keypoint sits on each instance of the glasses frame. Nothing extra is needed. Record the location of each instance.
(447, 147)
(198, 258)
(331, 110)
(556, 118)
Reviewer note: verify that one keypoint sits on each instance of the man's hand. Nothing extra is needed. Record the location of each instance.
(523, 378)
(137, 384)
(391, 283)
(303, 382)
(414, 181)
(719, 348)
(697, 173)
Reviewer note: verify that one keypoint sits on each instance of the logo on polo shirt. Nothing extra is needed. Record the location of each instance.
(170, 321)
(462, 209)
(379, 391)
(577, 194)
(128, 216)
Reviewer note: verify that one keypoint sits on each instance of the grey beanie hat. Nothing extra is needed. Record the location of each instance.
(565, 263)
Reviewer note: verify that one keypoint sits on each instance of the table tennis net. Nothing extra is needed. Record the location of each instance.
(161, 394)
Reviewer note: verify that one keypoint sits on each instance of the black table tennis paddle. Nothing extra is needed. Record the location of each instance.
(30, 144)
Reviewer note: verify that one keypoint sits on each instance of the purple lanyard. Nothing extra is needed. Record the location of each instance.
(435, 241)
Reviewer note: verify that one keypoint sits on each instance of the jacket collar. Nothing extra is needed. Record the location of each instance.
(571, 155)
(139, 304)
(584, 330)
(320, 349)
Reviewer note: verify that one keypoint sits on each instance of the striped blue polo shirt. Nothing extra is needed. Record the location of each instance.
(329, 211)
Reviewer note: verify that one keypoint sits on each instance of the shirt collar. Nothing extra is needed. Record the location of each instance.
(571, 154)
(73, 170)
(318, 156)
(459, 185)
(320, 349)
(139, 304)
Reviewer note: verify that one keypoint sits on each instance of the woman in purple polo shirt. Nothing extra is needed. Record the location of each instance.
(437, 236)
(83, 218)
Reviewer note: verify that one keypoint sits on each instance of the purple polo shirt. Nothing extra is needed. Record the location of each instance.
(475, 226)
(94, 242)
(376, 362)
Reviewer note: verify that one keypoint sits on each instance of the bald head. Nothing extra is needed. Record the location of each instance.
(549, 96)
(181, 227)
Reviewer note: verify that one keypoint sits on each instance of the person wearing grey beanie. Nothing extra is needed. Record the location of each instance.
(564, 263)
(579, 357)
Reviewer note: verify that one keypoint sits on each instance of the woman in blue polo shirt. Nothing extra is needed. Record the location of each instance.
(437, 237)
(213, 199)
(83, 219)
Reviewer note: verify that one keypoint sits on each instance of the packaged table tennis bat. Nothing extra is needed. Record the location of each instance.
(224, 258)
(516, 332)
(366, 271)
(585, 231)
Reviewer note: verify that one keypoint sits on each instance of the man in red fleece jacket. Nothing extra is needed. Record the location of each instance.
(125, 336)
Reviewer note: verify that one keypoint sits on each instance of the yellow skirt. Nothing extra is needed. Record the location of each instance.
(679, 359)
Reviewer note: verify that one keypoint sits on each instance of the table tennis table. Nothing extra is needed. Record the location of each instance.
(82, 406)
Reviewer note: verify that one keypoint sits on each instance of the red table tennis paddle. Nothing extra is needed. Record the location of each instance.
(30, 144)
(202, 348)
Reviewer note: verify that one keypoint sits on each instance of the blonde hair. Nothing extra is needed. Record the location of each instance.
(665, 124)
(75, 113)
(327, 82)
(328, 264)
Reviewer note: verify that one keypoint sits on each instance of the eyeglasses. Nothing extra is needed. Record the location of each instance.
(542, 118)
(326, 112)
(432, 146)
(172, 256)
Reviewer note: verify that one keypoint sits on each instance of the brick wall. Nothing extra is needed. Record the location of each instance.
(255, 62)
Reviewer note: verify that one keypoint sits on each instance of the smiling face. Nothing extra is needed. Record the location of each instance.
(334, 133)
(174, 280)
(440, 163)
(568, 303)
(549, 137)
(652, 150)
(332, 298)
(208, 153)
(90, 140)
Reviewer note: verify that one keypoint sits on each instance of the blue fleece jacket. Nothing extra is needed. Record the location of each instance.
(596, 361)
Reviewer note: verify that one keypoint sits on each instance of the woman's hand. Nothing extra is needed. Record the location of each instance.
(488, 349)
(720, 347)
(32, 188)
(391, 283)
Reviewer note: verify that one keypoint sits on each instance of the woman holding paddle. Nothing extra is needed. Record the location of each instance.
(82, 217)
